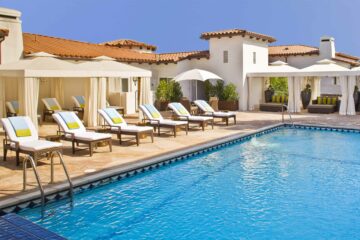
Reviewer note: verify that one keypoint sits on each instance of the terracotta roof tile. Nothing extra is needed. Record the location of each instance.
(291, 50)
(129, 43)
(237, 32)
(295, 50)
(344, 55)
(178, 56)
(76, 49)
(346, 60)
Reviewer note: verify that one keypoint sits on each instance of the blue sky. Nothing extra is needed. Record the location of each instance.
(175, 25)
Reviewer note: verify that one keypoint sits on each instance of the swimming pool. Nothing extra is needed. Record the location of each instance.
(288, 184)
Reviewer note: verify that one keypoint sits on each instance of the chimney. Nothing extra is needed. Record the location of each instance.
(11, 35)
(327, 47)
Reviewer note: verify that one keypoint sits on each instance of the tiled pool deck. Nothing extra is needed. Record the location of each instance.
(129, 154)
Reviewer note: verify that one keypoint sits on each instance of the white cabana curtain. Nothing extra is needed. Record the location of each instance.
(2, 98)
(114, 85)
(344, 95)
(297, 93)
(315, 91)
(351, 104)
(145, 91)
(291, 100)
(57, 89)
(28, 91)
(101, 96)
(95, 97)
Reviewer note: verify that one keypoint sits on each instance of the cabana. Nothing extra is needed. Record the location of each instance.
(21, 80)
(296, 78)
(111, 72)
(256, 84)
(328, 68)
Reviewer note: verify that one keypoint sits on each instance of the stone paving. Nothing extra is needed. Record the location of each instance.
(81, 164)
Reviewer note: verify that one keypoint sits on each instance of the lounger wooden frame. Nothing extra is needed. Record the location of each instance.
(157, 125)
(91, 143)
(226, 118)
(202, 123)
(120, 132)
(7, 145)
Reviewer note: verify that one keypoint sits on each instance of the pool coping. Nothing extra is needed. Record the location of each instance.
(61, 190)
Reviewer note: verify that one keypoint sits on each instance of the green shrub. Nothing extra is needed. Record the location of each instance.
(175, 91)
(209, 90)
(219, 89)
(230, 93)
(168, 91)
(161, 93)
(280, 85)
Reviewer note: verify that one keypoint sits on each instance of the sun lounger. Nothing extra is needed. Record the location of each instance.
(154, 118)
(51, 106)
(73, 130)
(117, 125)
(79, 102)
(184, 115)
(21, 136)
(207, 110)
(12, 108)
(121, 110)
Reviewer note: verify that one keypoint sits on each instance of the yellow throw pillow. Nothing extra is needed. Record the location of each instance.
(116, 120)
(72, 125)
(54, 108)
(23, 133)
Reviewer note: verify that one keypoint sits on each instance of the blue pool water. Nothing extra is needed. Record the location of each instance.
(289, 184)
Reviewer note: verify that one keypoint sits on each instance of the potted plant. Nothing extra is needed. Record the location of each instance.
(306, 96)
(356, 96)
(229, 98)
(162, 96)
(166, 92)
(269, 93)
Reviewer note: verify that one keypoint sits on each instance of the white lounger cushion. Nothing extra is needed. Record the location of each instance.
(91, 136)
(11, 132)
(197, 118)
(79, 133)
(129, 128)
(38, 145)
(169, 122)
(221, 114)
(124, 126)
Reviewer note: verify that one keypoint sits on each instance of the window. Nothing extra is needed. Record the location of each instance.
(254, 57)
(335, 82)
(124, 84)
(225, 56)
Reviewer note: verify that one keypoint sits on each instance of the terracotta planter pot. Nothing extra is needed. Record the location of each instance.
(228, 105)
(161, 105)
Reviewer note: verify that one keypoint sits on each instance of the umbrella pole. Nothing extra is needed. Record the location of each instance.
(196, 90)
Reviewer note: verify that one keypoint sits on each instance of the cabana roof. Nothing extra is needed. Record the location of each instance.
(108, 67)
(276, 69)
(324, 67)
(42, 64)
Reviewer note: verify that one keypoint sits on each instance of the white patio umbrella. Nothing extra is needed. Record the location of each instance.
(197, 75)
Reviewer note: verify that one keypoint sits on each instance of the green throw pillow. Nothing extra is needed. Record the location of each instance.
(319, 99)
(334, 100)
